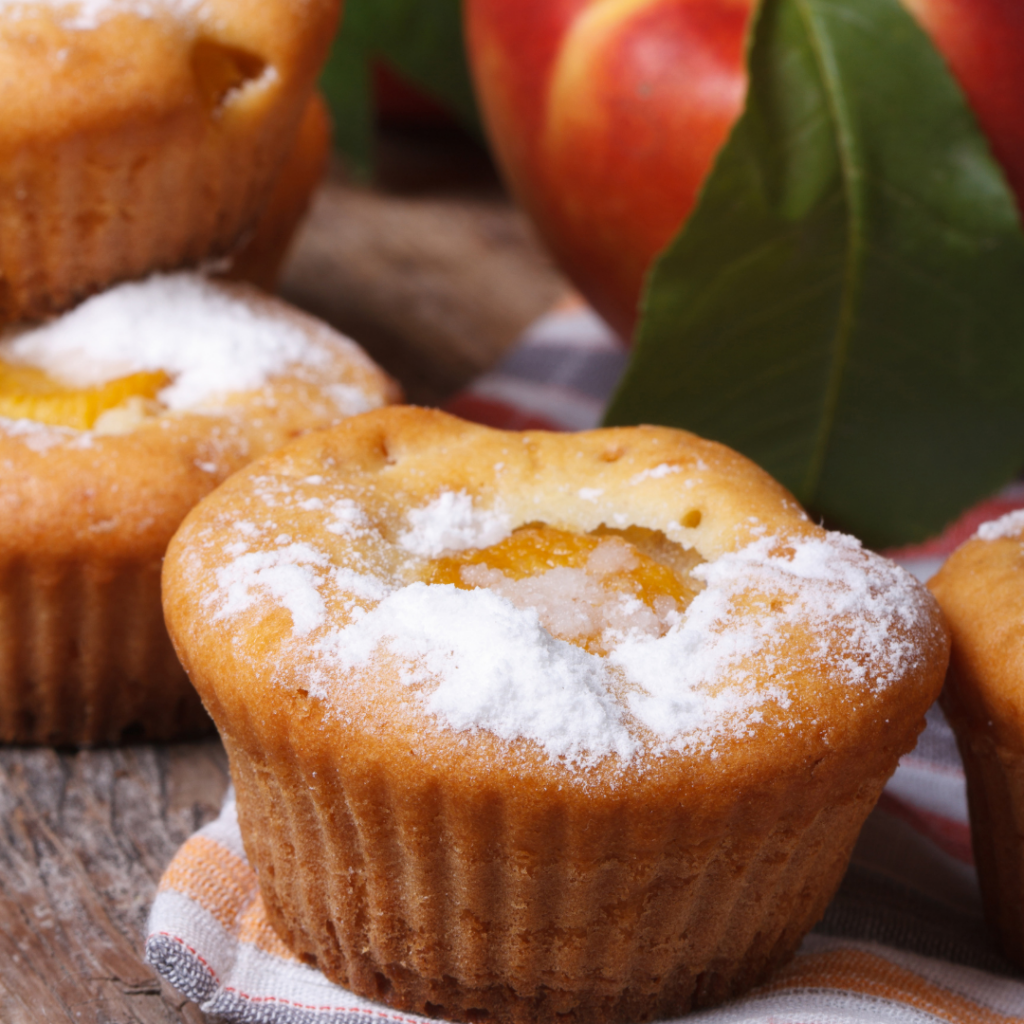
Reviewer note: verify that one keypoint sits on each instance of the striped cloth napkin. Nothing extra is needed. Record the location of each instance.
(903, 941)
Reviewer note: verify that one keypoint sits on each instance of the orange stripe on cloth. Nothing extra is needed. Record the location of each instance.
(257, 930)
(570, 302)
(214, 877)
(854, 970)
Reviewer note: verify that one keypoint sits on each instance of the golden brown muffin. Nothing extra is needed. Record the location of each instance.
(538, 727)
(142, 134)
(981, 591)
(262, 256)
(115, 420)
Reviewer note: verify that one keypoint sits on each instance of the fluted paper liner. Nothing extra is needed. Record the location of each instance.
(479, 911)
(85, 658)
(995, 794)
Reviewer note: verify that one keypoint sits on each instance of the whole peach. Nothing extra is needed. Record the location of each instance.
(607, 115)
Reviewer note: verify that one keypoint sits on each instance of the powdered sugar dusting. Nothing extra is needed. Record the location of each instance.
(286, 575)
(755, 600)
(350, 401)
(497, 658)
(84, 15)
(1010, 525)
(208, 340)
(658, 473)
(347, 518)
(481, 663)
(40, 437)
(452, 522)
(493, 665)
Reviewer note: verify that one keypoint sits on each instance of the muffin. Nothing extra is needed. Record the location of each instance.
(538, 727)
(139, 136)
(115, 419)
(981, 591)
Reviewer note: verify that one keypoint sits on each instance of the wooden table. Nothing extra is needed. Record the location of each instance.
(85, 837)
(436, 274)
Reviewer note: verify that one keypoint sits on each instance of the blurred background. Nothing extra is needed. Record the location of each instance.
(412, 245)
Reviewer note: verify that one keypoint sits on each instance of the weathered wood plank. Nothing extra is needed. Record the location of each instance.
(84, 838)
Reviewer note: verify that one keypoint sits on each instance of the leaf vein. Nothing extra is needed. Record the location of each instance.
(853, 174)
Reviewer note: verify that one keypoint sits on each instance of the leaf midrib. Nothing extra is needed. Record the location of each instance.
(853, 176)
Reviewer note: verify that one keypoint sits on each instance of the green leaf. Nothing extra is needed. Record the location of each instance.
(422, 41)
(846, 303)
(345, 82)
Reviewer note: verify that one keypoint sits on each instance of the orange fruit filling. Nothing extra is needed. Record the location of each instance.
(643, 563)
(27, 393)
(221, 69)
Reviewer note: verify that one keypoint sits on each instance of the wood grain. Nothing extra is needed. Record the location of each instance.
(84, 838)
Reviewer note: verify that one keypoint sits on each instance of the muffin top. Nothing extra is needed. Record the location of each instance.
(589, 610)
(981, 590)
(138, 402)
(73, 66)
(142, 135)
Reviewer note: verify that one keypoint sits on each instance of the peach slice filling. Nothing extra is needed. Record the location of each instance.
(29, 393)
(590, 589)
(222, 70)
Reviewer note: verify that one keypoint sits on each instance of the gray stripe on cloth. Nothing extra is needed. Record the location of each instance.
(595, 374)
(180, 967)
(239, 1010)
(873, 908)
(937, 743)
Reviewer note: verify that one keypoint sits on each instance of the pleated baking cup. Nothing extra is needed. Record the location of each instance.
(542, 905)
(147, 141)
(995, 795)
(85, 658)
